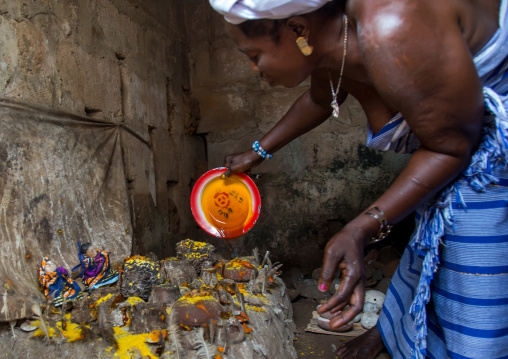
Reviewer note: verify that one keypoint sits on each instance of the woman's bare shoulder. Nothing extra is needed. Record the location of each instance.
(477, 20)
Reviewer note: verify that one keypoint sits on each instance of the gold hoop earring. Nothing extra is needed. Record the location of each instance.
(304, 46)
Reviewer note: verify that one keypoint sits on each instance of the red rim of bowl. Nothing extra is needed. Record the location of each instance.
(199, 216)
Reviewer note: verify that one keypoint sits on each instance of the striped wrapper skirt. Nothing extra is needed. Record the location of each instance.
(467, 315)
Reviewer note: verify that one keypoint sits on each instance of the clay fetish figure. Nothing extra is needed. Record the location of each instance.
(56, 283)
(432, 79)
(96, 268)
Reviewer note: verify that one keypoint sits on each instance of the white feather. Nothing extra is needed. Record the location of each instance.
(174, 334)
(36, 308)
(204, 350)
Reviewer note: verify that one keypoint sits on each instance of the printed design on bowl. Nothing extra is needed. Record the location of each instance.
(223, 201)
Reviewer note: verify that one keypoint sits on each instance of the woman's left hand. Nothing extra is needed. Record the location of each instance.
(344, 251)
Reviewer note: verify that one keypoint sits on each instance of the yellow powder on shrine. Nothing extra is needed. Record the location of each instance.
(128, 344)
(39, 332)
(134, 300)
(70, 331)
(226, 203)
(197, 299)
(103, 299)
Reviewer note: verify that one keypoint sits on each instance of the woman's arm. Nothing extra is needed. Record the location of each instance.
(420, 64)
(310, 110)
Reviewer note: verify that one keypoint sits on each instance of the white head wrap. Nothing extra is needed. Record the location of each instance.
(237, 11)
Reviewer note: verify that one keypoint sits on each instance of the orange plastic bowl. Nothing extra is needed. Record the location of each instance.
(225, 207)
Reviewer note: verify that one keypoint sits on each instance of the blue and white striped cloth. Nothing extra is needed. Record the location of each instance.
(449, 296)
(394, 136)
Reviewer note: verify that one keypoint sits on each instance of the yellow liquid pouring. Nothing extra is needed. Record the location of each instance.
(226, 203)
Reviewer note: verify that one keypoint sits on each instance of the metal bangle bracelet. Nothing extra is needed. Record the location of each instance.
(384, 228)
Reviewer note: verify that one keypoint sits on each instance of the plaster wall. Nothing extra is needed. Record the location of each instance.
(309, 189)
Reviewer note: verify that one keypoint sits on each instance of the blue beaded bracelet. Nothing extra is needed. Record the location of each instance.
(260, 151)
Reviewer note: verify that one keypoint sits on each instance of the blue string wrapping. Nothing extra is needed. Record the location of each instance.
(492, 154)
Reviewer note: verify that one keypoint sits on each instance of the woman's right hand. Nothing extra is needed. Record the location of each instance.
(241, 162)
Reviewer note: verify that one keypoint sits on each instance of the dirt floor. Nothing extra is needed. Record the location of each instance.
(312, 345)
